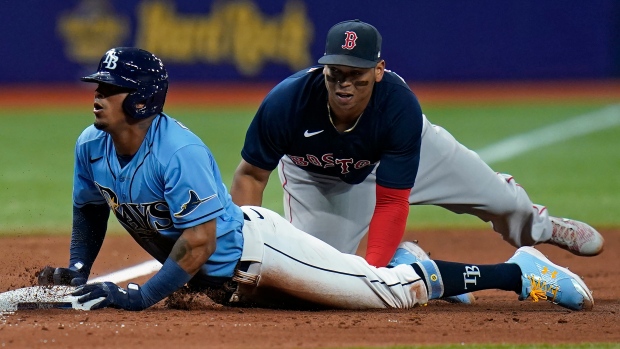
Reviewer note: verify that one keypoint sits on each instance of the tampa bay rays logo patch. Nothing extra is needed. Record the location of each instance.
(192, 204)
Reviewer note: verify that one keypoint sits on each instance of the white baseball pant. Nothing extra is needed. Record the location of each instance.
(290, 267)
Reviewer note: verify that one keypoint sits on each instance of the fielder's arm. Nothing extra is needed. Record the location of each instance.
(387, 225)
(248, 185)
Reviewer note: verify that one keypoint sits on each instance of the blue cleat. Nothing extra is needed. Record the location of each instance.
(409, 252)
(543, 280)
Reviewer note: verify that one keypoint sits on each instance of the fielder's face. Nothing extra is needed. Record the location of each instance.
(349, 88)
(108, 107)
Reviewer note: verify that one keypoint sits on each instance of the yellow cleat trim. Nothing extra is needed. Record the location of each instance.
(541, 290)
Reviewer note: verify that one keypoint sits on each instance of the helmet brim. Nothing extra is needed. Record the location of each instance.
(111, 79)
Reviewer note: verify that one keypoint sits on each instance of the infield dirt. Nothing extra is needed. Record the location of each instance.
(497, 316)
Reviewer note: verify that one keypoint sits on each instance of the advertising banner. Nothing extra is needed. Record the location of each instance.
(252, 40)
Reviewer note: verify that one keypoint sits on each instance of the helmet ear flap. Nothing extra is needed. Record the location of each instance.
(130, 105)
(152, 99)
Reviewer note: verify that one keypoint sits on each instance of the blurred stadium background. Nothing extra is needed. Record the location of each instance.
(485, 70)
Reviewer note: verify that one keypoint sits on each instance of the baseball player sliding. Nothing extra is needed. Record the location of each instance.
(354, 150)
(164, 187)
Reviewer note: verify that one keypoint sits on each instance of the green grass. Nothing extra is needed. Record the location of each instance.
(576, 178)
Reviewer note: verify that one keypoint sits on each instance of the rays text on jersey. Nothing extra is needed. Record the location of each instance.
(145, 219)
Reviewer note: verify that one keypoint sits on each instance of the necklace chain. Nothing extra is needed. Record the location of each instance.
(329, 113)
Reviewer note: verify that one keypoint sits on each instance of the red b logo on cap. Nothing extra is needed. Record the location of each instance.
(349, 41)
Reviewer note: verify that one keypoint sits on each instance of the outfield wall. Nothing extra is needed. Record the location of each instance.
(254, 41)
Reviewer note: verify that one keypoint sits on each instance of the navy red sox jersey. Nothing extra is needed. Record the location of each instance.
(293, 120)
(172, 183)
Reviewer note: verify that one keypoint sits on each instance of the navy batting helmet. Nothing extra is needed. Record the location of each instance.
(138, 70)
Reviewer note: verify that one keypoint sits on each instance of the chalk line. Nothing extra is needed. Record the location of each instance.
(129, 273)
(577, 126)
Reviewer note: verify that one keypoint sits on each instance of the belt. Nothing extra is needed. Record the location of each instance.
(245, 272)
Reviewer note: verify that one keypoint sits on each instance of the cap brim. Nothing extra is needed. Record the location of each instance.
(349, 61)
(111, 79)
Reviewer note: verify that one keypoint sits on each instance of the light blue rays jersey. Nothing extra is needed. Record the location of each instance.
(172, 183)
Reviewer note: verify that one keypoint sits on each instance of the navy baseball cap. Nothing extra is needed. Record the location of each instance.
(354, 44)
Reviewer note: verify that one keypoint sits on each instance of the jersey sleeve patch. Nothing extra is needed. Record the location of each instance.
(192, 204)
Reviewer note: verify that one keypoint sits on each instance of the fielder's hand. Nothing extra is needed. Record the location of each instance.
(115, 297)
(50, 276)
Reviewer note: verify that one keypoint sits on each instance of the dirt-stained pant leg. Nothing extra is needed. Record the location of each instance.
(455, 177)
(289, 262)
